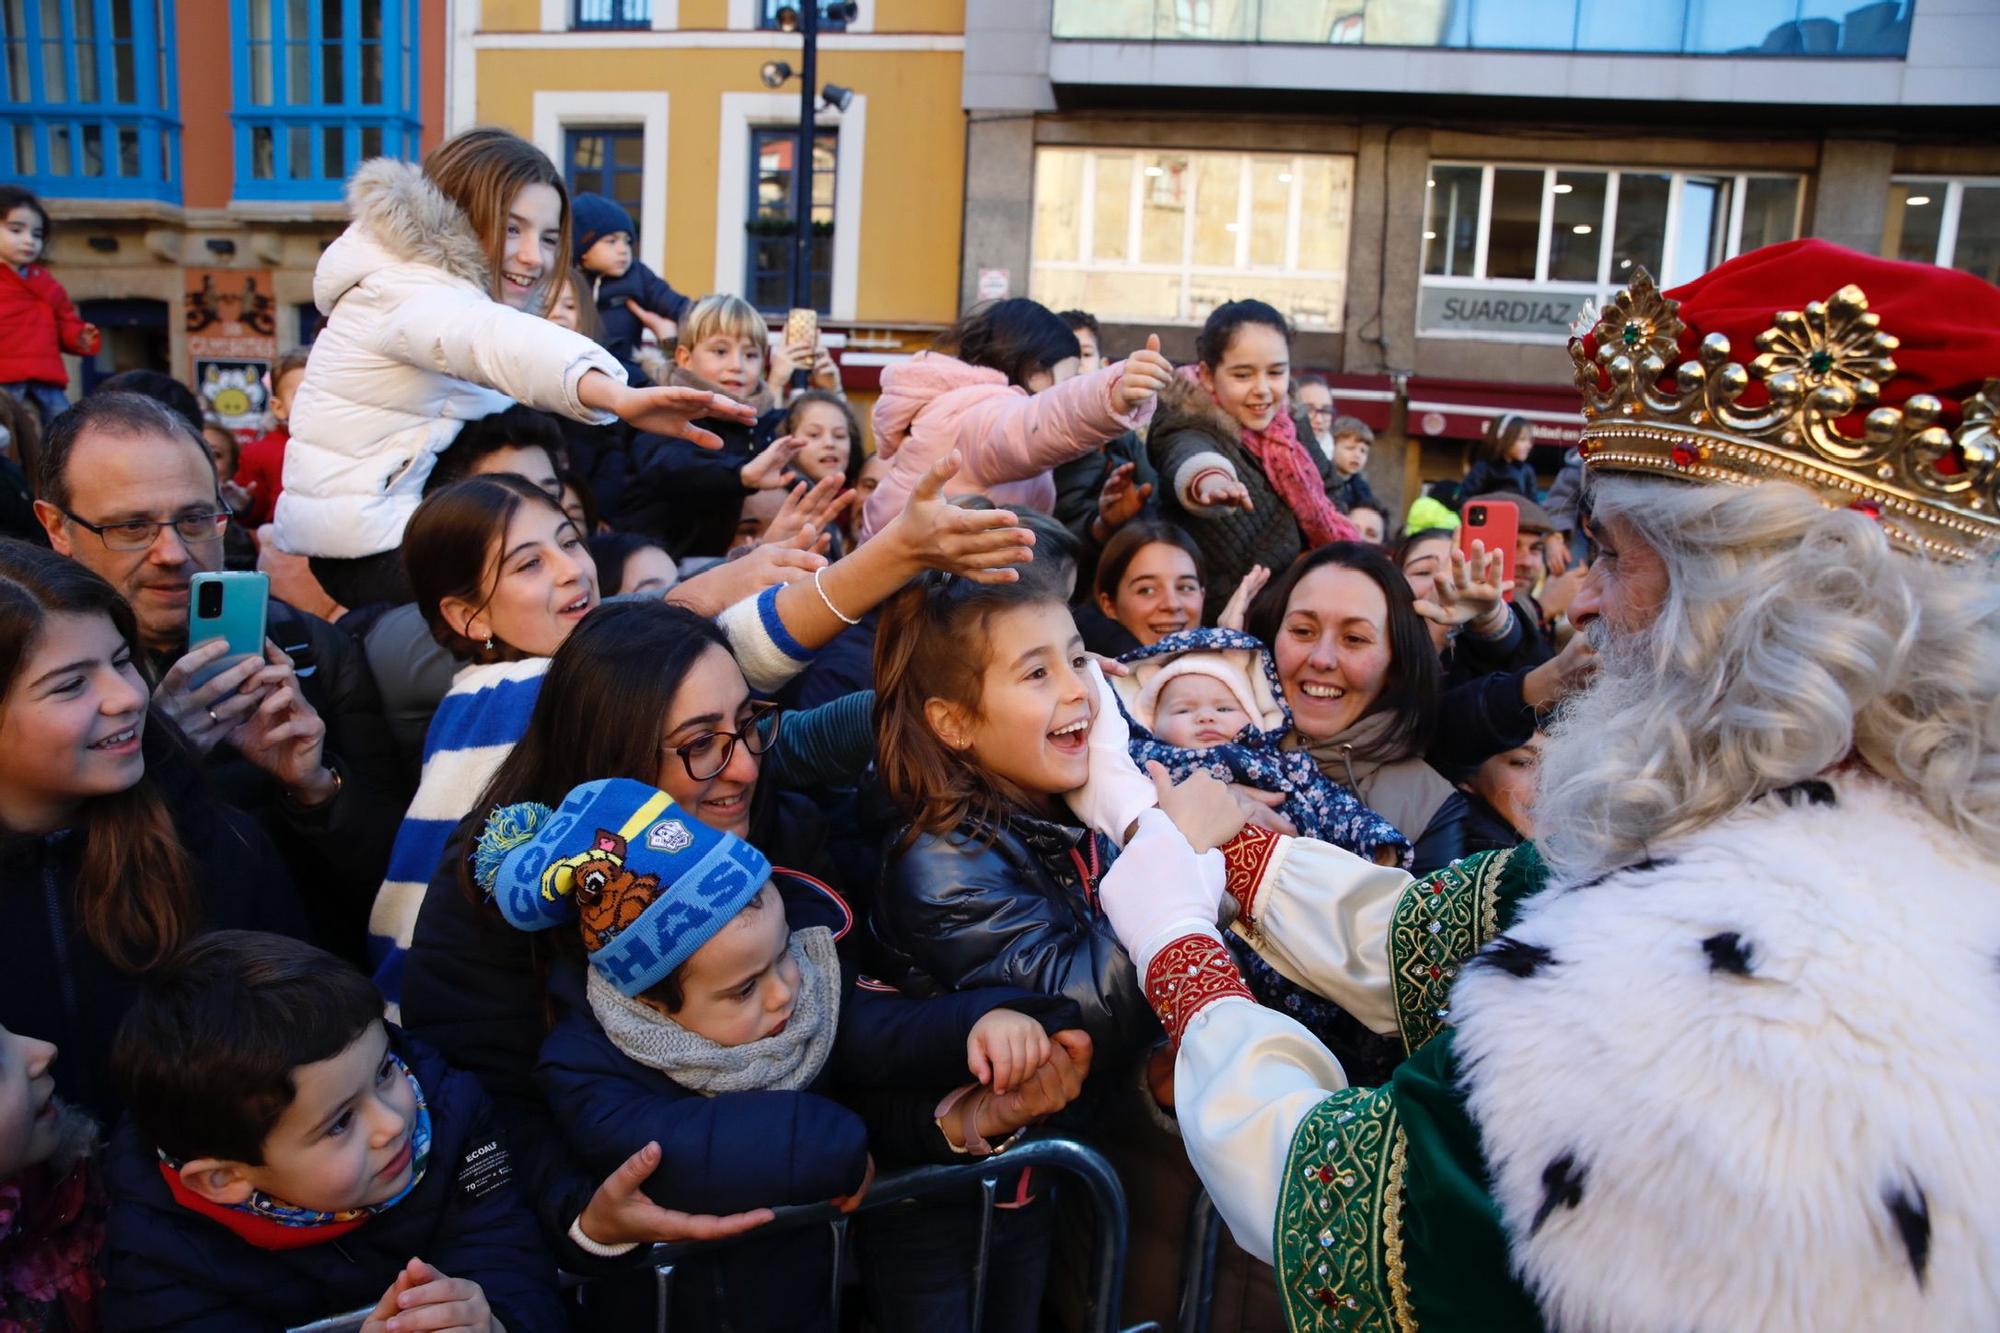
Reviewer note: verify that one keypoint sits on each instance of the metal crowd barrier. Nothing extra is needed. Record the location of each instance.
(1107, 1198)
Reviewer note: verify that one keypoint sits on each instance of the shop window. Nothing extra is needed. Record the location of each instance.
(770, 222)
(610, 162)
(1955, 223)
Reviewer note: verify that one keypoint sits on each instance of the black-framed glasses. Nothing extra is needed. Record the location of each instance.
(709, 753)
(141, 533)
(1320, 413)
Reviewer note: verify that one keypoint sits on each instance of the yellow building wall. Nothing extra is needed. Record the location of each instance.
(913, 178)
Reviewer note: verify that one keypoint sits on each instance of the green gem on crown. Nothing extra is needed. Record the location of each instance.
(1633, 332)
(1820, 361)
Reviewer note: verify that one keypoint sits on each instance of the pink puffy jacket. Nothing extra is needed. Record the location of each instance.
(1008, 437)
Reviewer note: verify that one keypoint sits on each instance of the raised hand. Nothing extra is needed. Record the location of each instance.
(208, 712)
(285, 736)
(722, 586)
(1146, 374)
(983, 545)
(662, 328)
(620, 1213)
(1237, 609)
(1219, 490)
(667, 411)
(772, 467)
(1468, 589)
(1121, 499)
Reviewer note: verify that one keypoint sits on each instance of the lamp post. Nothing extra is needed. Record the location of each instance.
(804, 19)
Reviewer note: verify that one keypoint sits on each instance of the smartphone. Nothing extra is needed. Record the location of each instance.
(229, 606)
(802, 328)
(1493, 523)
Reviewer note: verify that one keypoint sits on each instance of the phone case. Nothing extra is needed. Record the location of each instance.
(239, 622)
(1502, 525)
(802, 328)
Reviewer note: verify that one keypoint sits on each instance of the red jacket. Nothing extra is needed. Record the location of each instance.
(260, 469)
(37, 324)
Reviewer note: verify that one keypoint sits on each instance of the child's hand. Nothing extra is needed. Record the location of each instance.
(1201, 807)
(983, 545)
(1120, 501)
(818, 506)
(772, 468)
(1469, 591)
(1146, 374)
(1054, 1084)
(1004, 1047)
(659, 325)
(664, 411)
(1216, 489)
(1238, 608)
(825, 374)
(421, 1298)
(90, 338)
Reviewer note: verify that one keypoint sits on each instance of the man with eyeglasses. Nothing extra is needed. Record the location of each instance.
(296, 739)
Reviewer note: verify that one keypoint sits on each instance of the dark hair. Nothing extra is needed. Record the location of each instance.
(1079, 320)
(135, 882)
(586, 498)
(602, 708)
(13, 197)
(1223, 322)
(1133, 538)
(481, 170)
(588, 322)
(1300, 381)
(24, 435)
(159, 386)
(516, 427)
(857, 443)
(931, 643)
(1500, 435)
(1016, 337)
(126, 415)
(1411, 687)
(610, 550)
(205, 1058)
(1057, 551)
(1416, 537)
(448, 549)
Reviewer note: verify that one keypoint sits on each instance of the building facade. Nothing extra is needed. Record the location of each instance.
(192, 153)
(1433, 188)
(662, 106)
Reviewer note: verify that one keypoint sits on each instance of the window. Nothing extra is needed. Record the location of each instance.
(1516, 250)
(770, 14)
(609, 162)
(88, 99)
(1955, 223)
(612, 14)
(767, 249)
(320, 86)
(1166, 236)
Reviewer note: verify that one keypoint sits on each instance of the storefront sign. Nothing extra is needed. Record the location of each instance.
(1498, 311)
(232, 341)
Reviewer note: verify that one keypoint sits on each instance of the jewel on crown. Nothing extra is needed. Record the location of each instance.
(1821, 371)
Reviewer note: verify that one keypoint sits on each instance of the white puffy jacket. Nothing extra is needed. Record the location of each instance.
(414, 346)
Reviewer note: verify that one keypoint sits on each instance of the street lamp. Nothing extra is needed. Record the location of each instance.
(804, 19)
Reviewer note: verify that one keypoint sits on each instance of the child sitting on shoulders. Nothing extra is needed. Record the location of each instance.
(707, 1024)
(604, 240)
(288, 1156)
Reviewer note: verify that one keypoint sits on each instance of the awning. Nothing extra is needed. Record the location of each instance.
(1459, 409)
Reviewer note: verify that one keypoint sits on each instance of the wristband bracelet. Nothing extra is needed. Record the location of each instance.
(838, 614)
(591, 1247)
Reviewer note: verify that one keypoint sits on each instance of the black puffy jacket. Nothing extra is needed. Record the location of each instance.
(1016, 906)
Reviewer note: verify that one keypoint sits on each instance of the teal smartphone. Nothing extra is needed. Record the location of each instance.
(229, 606)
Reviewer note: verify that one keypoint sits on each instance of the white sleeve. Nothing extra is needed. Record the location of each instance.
(1320, 916)
(455, 331)
(1208, 460)
(1244, 1079)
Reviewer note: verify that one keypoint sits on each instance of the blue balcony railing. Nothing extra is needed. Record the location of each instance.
(1810, 28)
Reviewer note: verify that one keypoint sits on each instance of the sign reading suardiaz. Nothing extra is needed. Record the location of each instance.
(1538, 314)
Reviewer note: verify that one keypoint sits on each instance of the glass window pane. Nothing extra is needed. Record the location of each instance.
(59, 150)
(260, 23)
(1218, 190)
(128, 151)
(332, 151)
(1451, 220)
(260, 76)
(1516, 226)
(330, 17)
(93, 150)
(1977, 249)
(1639, 232)
(55, 70)
(371, 141)
(121, 19)
(298, 19)
(371, 19)
(332, 74)
(83, 20)
(628, 150)
(371, 73)
(1058, 199)
(263, 153)
(1916, 210)
(1162, 207)
(24, 149)
(1325, 198)
(1270, 209)
(125, 73)
(1575, 226)
(87, 54)
(1112, 213)
(1770, 211)
(298, 150)
(1704, 227)
(825, 149)
(1124, 295)
(298, 74)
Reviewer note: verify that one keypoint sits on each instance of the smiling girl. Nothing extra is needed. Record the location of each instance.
(1232, 468)
(434, 298)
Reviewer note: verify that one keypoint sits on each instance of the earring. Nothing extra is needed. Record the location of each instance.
(489, 643)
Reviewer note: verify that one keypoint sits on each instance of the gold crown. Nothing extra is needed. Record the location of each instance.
(1935, 491)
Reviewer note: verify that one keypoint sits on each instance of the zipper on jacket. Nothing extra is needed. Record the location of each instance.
(1087, 874)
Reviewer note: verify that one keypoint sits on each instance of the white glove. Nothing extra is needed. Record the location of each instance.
(1116, 792)
(1159, 889)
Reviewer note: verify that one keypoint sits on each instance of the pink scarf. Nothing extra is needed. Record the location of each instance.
(1290, 470)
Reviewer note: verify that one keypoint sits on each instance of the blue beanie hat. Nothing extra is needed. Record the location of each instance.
(649, 884)
(592, 217)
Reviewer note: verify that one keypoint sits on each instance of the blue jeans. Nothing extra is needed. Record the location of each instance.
(916, 1261)
(44, 400)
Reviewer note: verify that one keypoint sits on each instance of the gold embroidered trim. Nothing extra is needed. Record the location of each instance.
(1392, 1236)
(1337, 1207)
(1439, 922)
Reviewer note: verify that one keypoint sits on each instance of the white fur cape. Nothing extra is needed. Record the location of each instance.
(1753, 1083)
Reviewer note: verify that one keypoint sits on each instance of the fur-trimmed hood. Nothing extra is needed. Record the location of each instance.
(1185, 405)
(1751, 1081)
(399, 218)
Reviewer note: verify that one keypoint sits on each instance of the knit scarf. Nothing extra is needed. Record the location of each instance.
(1294, 476)
(786, 1062)
(270, 1223)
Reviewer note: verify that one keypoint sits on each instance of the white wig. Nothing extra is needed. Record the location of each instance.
(1792, 638)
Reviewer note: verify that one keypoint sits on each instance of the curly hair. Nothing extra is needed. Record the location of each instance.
(1791, 638)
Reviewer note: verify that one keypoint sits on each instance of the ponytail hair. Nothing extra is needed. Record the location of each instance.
(1220, 329)
(481, 170)
(932, 644)
(135, 881)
